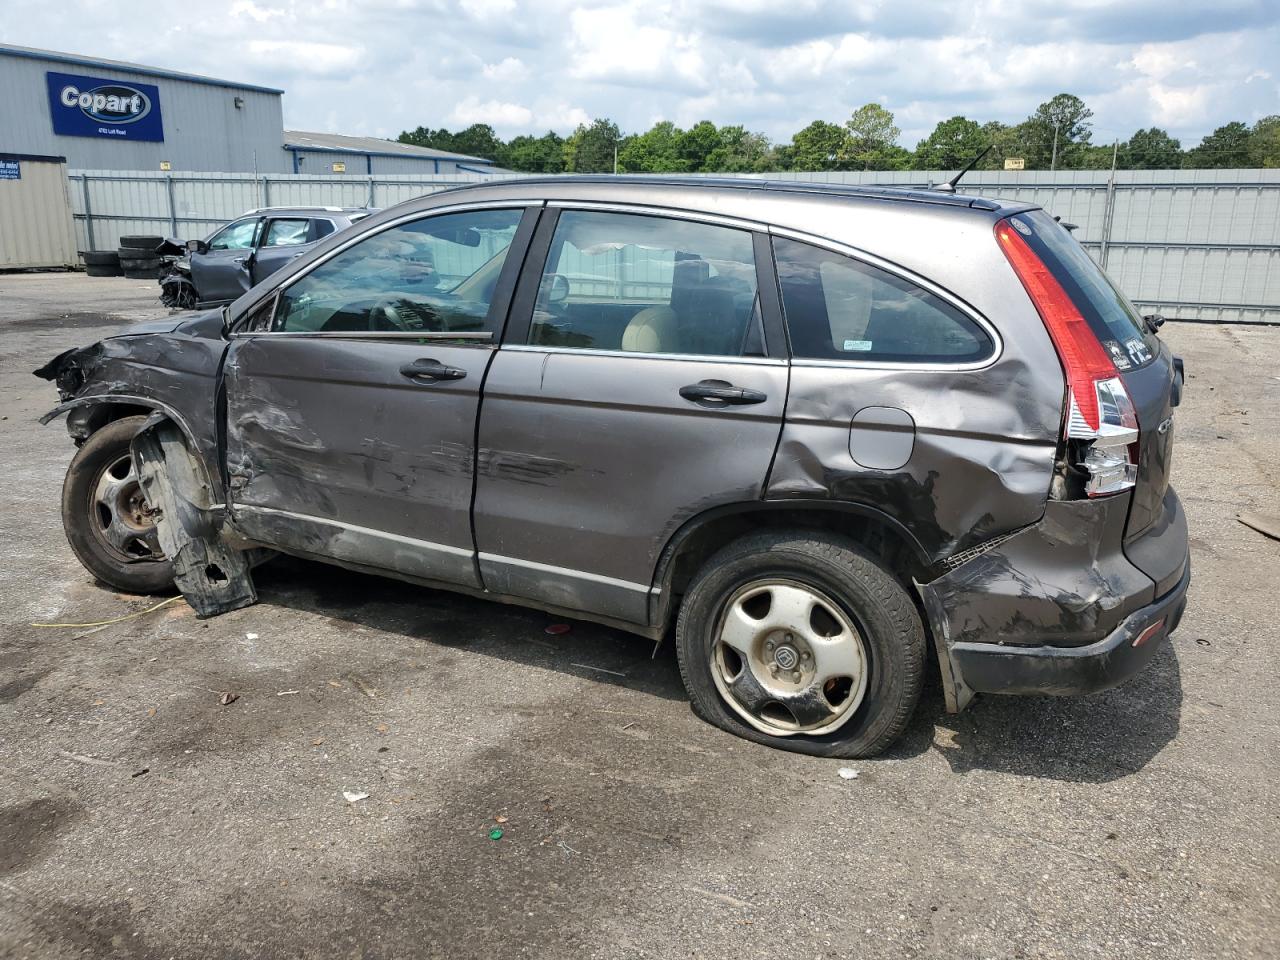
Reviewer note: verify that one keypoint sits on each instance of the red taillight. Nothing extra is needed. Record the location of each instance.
(1099, 418)
(1083, 359)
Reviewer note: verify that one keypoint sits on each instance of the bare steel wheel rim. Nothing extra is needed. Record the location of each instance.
(788, 659)
(119, 515)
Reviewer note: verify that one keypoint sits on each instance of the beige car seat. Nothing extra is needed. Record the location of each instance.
(652, 330)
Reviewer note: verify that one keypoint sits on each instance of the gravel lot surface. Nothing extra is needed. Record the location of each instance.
(139, 817)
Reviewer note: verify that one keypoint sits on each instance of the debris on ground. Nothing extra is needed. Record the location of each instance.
(847, 773)
(495, 833)
(587, 666)
(364, 688)
(228, 698)
(287, 693)
(557, 629)
(1267, 526)
(91, 761)
(106, 623)
(251, 636)
(354, 796)
(499, 819)
(139, 773)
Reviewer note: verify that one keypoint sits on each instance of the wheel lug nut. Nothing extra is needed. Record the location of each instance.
(805, 655)
(768, 645)
(795, 675)
(790, 638)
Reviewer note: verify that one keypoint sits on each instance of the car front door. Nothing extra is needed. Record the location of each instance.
(636, 388)
(352, 395)
(281, 240)
(222, 271)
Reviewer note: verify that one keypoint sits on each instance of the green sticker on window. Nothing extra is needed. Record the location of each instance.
(861, 346)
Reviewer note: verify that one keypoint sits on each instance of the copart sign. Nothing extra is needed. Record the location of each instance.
(93, 107)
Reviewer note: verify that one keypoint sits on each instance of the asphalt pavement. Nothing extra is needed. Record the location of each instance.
(140, 816)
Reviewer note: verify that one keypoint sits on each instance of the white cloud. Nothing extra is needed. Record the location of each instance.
(494, 112)
(526, 66)
(507, 70)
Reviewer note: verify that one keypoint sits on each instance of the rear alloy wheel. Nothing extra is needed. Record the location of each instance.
(106, 517)
(788, 659)
(801, 641)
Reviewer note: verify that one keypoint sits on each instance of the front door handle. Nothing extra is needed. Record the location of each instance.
(720, 392)
(425, 369)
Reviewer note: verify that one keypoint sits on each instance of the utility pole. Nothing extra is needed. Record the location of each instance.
(1053, 162)
(615, 158)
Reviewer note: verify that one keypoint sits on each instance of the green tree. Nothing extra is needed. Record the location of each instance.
(544, 154)
(951, 145)
(477, 140)
(590, 148)
(817, 147)
(1228, 146)
(1151, 149)
(1264, 142)
(1064, 118)
(871, 137)
(657, 150)
(697, 143)
(740, 151)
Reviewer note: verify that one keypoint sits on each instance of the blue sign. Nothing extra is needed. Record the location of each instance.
(93, 107)
(10, 169)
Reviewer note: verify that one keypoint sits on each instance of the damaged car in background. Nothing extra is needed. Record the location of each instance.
(829, 437)
(245, 252)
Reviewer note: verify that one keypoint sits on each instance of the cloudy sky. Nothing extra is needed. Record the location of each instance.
(376, 67)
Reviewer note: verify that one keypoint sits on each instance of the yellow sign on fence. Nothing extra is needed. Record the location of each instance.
(1015, 163)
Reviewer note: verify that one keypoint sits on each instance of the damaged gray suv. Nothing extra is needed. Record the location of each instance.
(834, 437)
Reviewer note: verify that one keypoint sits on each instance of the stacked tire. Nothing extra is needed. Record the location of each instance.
(139, 257)
(101, 263)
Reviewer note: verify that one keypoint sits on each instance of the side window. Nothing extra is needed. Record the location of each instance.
(286, 233)
(322, 228)
(437, 274)
(838, 308)
(644, 284)
(235, 236)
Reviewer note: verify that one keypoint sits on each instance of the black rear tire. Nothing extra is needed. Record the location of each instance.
(97, 270)
(142, 243)
(83, 521)
(865, 593)
(100, 258)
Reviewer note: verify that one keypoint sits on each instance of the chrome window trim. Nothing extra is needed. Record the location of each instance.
(636, 355)
(656, 210)
(888, 266)
(486, 336)
(350, 241)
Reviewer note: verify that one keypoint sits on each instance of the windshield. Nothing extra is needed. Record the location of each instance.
(1113, 318)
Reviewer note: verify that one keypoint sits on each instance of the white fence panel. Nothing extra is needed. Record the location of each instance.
(1195, 244)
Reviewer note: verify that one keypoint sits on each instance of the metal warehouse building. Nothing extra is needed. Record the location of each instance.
(109, 115)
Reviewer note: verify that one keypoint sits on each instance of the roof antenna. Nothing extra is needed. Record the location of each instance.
(950, 185)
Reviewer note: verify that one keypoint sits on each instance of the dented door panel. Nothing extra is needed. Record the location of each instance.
(333, 451)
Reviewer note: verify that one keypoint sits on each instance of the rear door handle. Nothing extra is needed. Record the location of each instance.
(721, 392)
(425, 369)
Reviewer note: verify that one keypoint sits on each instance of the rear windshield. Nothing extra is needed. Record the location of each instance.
(1114, 320)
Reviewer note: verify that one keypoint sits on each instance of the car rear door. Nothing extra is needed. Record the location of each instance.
(280, 240)
(352, 397)
(222, 272)
(635, 389)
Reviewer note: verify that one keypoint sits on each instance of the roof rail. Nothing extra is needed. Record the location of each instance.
(295, 206)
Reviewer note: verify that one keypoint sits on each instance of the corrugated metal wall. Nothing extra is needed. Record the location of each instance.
(320, 163)
(1201, 244)
(203, 128)
(35, 217)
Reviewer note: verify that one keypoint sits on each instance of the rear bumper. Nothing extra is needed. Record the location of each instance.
(1055, 608)
(1066, 671)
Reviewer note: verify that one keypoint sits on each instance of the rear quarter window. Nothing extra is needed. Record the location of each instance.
(839, 308)
(1114, 320)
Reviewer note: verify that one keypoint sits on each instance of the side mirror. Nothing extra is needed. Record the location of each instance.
(197, 246)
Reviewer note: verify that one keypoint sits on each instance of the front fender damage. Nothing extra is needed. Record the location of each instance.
(213, 576)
